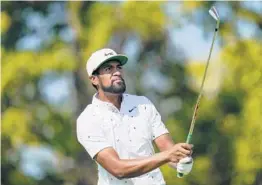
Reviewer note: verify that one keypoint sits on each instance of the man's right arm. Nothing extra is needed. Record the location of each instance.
(127, 168)
(92, 138)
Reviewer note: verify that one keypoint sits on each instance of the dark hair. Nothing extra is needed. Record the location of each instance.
(95, 73)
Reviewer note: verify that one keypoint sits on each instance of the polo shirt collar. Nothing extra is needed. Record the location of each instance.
(107, 105)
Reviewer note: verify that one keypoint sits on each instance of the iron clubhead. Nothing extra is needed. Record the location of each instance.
(213, 13)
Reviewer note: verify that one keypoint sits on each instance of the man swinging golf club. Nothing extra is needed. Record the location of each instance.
(118, 129)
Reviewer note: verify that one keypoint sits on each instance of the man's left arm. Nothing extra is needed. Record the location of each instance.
(164, 141)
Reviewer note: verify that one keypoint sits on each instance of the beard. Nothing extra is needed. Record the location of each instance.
(115, 87)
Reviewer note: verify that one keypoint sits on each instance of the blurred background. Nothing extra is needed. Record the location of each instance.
(44, 84)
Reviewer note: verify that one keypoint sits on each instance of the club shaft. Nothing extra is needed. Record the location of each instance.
(192, 125)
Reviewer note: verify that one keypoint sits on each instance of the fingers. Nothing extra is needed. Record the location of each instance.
(184, 151)
(180, 151)
(180, 155)
(186, 160)
(186, 146)
(176, 159)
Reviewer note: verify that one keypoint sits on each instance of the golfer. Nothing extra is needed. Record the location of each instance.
(118, 130)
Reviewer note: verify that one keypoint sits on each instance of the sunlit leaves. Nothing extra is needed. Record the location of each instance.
(18, 66)
(138, 18)
(15, 126)
(18, 176)
(191, 5)
(249, 145)
(229, 124)
(212, 81)
(196, 71)
(244, 64)
(102, 20)
(73, 8)
(250, 15)
(243, 73)
(142, 17)
(5, 22)
(201, 170)
(247, 160)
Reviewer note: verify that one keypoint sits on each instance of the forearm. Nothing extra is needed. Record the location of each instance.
(127, 168)
(136, 167)
(164, 143)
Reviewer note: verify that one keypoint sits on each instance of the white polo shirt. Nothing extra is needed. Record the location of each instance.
(129, 131)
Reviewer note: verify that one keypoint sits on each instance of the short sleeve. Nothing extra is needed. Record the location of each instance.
(90, 135)
(157, 126)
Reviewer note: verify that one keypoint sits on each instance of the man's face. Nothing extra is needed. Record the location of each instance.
(109, 78)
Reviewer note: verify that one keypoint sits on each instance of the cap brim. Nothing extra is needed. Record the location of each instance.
(121, 58)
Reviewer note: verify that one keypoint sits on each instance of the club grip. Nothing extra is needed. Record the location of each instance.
(188, 139)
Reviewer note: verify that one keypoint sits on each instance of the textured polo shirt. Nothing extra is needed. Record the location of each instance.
(130, 131)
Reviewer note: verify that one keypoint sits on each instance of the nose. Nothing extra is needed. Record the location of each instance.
(117, 72)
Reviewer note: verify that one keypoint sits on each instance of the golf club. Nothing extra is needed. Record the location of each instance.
(214, 14)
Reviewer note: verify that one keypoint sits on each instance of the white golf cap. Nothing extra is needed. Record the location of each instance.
(101, 56)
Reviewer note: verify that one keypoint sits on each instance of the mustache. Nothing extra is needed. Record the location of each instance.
(119, 78)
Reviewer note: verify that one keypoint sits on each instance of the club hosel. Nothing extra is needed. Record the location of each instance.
(217, 26)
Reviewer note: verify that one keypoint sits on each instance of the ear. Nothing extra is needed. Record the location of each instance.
(94, 79)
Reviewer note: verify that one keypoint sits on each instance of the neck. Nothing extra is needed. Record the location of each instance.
(115, 99)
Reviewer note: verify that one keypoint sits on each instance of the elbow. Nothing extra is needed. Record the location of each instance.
(122, 174)
(119, 173)
(121, 170)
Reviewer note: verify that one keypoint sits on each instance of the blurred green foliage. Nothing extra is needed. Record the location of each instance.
(227, 137)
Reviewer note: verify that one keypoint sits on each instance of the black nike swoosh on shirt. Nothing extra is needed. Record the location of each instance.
(132, 109)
